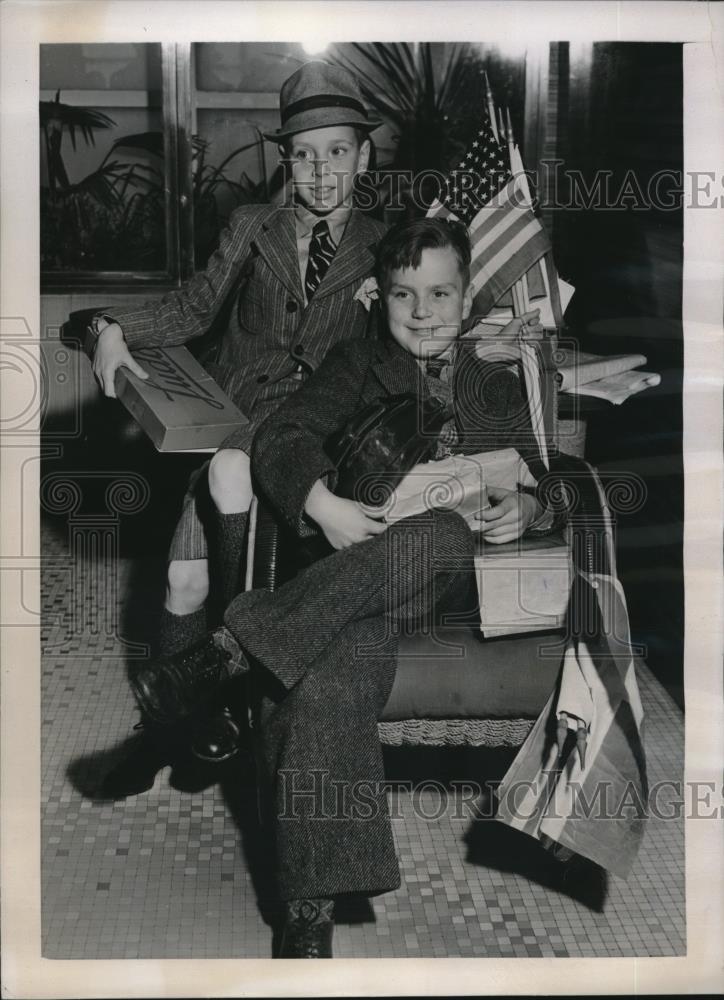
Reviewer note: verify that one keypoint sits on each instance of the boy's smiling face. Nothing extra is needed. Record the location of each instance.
(324, 163)
(426, 304)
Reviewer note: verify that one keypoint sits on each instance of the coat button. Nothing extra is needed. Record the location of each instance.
(292, 306)
(262, 379)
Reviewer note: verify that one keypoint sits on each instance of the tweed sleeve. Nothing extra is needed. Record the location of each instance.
(288, 454)
(182, 315)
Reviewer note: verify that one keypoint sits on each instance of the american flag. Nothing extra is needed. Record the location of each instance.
(505, 236)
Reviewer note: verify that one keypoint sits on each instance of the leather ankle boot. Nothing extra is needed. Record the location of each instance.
(215, 737)
(172, 688)
(308, 929)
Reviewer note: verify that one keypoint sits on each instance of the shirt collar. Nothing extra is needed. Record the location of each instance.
(305, 221)
(447, 357)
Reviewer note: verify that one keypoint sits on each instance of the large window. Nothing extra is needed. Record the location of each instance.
(146, 149)
(106, 158)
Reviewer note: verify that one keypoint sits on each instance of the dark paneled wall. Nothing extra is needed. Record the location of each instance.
(622, 123)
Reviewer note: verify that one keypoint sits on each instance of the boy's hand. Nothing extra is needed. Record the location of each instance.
(343, 522)
(525, 325)
(510, 515)
(112, 353)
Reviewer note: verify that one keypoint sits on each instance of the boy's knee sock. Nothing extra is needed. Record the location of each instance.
(178, 632)
(230, 536)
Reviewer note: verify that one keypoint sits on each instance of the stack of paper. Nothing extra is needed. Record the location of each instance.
(611, 378)
(523, 586)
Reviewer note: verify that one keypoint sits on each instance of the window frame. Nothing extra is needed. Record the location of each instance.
(176, 115)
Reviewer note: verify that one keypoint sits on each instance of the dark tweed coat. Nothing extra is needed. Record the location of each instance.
(270, 331)
(323, 647)
(323, 653)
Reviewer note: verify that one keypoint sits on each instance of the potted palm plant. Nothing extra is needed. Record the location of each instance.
(431, 96)
(112, 215)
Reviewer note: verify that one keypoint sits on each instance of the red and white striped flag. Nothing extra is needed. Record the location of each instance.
(505, 236)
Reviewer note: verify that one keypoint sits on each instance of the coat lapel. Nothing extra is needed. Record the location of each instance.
(277, 244)
(397, 370)
(355, 256)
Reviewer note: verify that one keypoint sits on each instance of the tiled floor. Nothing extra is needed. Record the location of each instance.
(182, 871)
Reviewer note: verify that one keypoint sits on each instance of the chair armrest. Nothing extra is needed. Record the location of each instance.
(262, 555)
(274, 552)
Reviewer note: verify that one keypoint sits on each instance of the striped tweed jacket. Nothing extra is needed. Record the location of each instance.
(252, 285)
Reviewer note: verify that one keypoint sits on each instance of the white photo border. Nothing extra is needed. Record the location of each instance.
(26, 25)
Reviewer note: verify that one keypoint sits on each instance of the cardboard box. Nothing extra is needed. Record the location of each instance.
(523, 586)
(180, 407)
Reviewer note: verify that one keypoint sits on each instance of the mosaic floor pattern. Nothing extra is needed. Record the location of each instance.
(182, 870)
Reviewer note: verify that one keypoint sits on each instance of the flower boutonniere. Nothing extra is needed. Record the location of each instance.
(367, 293)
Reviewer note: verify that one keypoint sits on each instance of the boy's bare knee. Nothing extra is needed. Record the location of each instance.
(229, 467)
(230, 480)
(188, 585)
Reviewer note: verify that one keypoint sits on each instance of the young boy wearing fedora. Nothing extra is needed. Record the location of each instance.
(294, 271)
(322, 647)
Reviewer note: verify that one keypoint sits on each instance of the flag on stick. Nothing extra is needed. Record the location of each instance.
(505, 236)
(491, 106)
(489, 193)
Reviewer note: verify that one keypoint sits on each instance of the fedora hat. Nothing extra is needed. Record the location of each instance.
(319, 95)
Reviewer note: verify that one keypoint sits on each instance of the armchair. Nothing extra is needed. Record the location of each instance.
(468, 691)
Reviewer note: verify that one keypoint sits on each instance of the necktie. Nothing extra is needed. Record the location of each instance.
(435, 366)
(321, 252)
(442, 391)
(439, 388)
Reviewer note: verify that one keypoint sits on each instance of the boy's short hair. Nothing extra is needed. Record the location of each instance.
(403, 244)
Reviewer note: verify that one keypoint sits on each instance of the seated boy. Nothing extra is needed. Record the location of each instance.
(322, 647)
(287, 276)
